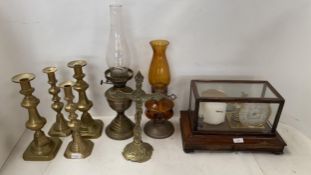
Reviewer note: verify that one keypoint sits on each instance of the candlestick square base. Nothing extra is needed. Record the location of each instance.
(93, 130)
(88, 148)
(38, 155)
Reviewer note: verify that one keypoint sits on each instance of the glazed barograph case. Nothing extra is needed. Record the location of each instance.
(229, 109)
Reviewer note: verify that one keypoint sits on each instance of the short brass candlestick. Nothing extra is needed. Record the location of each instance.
(121, 127)
(90, 128)
(79, 147)
(42, 148)
(60, 127)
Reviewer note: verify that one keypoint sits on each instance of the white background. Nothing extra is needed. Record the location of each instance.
(227, 39)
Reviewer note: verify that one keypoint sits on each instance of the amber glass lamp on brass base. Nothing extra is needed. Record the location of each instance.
(159, 111)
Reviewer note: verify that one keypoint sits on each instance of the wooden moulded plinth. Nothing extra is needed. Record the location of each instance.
(191, 141)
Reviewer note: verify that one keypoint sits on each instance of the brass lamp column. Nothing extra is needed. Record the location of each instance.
(79, 147)
(42, 148)
(90, 128)
(121, 126)
(60, 127)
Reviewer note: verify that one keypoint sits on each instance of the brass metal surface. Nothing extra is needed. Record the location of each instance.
(90, 128)
(42, 148)
(159, 129)
(138, 151)
(159, 112)
(59, 127)
(121, 127)
(79, 147)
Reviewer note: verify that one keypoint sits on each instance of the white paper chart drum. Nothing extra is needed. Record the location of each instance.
(213, 112)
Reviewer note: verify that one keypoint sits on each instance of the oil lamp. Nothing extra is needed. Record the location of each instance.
(118, 73)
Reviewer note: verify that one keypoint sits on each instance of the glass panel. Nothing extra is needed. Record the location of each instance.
(222, 89)
(192, 102)
(245, 117)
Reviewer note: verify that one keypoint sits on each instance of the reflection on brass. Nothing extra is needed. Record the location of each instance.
(90, 128)
(60, 127)
(121, 126)
(42, 148)
(79, 147)
(138, 151)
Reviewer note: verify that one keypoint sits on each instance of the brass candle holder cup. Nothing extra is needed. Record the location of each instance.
(60, 127)
(42, 148)
(121, 127)
(90, 128)
(79, 147)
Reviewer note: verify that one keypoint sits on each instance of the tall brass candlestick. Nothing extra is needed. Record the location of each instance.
(90, 128)
(60, 127)
(79, 147)
(42, 148)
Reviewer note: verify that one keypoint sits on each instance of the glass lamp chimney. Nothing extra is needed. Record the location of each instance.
(118, 56)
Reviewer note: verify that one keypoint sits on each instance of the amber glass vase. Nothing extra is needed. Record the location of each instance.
(159, 71)
(159, 77)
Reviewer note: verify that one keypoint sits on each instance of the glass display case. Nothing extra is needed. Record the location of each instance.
(232, 115)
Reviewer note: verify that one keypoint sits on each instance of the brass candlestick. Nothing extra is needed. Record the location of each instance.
(60, 127)
(42, 148)
(79, 147)
(90, 128)
(138, 151)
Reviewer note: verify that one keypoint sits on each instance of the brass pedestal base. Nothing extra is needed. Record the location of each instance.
(45, 153)
(56, 132)
(137, 152)
(92, 131)
(120, 128)
(84, 152)
(159, 129)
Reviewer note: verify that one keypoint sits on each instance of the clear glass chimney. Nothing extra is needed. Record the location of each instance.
(118, 55)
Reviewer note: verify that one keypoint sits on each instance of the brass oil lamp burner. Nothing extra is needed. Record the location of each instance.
(118, 60)
(42, 148)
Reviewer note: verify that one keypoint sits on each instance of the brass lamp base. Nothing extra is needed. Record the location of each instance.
(120, 128)
(159, 129)
(92, 131)
(84, 152)
(56, 132)
(137, 151)
(44, 153)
